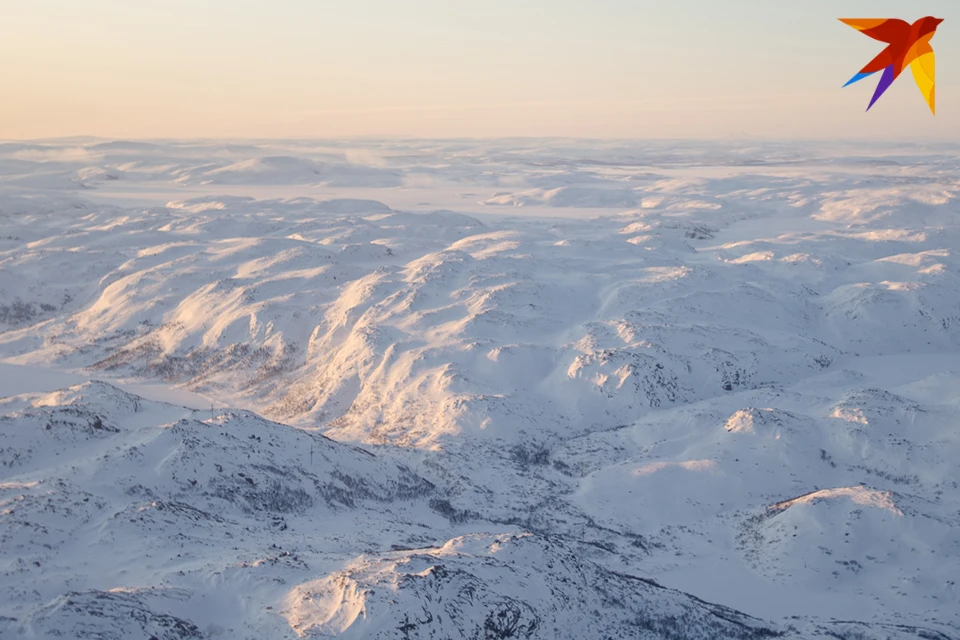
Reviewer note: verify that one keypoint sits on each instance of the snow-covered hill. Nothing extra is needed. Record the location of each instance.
(509, 389)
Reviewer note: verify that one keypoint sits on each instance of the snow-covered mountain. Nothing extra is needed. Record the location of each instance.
(508, 389)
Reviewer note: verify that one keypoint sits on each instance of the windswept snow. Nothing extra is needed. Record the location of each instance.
(422, 389)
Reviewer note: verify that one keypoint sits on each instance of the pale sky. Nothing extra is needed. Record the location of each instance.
(458, 68)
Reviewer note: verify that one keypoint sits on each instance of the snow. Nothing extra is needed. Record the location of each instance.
(433, 389)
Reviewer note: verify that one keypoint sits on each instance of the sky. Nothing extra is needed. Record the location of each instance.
(462, 68)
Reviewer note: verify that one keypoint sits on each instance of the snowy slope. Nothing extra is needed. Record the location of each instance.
(587, 369)
(104, 490)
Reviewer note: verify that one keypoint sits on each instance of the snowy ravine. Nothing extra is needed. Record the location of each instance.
(506, 389)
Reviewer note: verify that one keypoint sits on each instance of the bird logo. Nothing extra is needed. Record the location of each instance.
(907, 44)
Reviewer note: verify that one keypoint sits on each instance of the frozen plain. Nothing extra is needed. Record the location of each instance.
(479, 389)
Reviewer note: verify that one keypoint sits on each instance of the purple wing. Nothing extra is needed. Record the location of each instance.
(885, 81)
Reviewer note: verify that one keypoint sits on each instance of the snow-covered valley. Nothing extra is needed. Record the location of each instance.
(479, 389)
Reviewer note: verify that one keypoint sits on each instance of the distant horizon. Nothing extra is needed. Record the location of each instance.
(79, 138)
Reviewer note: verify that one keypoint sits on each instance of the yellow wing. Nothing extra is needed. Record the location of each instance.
(924, 68)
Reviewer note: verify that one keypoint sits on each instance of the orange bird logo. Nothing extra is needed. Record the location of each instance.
(907, 44)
